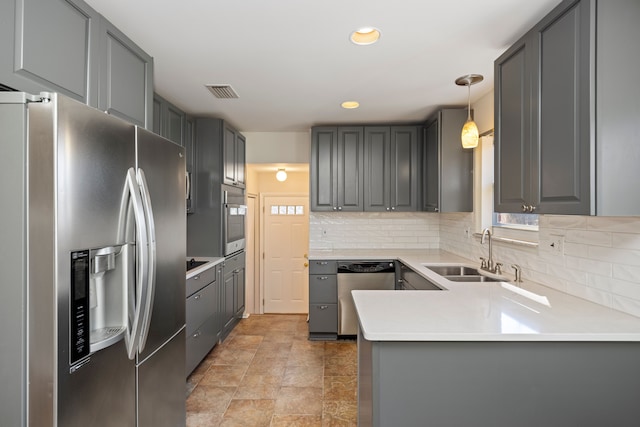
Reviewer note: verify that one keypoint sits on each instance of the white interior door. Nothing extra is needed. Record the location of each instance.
(286, 244)
(250, 288)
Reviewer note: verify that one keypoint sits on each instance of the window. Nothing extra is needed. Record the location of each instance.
(524, 221)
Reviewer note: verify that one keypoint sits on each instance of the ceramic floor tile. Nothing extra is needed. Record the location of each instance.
(299, 401)
(340, 388)
(296, 421)
(267, 372)
(249, 412)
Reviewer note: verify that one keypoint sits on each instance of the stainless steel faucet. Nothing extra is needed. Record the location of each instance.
(487, 264)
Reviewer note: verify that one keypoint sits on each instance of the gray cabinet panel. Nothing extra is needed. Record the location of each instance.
(323, 168)
(54, 46)
(233, 157)
(189, 150)
(200, 306)
(240, 159)
(617, 108)
(350, 164)
(512, 93)
(403, 172)
(126, 81)
(175, 125)
(431, 168)
(565, 69)
(377, 174)
(323, 288)
(544, 104)
(200, 342)
(323, 267)
(323, 318)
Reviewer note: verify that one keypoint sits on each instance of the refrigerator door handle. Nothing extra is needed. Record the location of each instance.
(132, 337)
(151, 267)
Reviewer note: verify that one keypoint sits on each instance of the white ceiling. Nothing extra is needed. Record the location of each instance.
(292, 63)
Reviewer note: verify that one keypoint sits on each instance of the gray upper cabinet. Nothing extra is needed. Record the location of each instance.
(337, 168)
(65, 46)
(447, 171)
(391, 168)
(50, 46)
(233, 152)
(126, 78)
(168, 120)
(542, 116)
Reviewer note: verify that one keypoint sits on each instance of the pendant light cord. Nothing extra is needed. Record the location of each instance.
(469, 101)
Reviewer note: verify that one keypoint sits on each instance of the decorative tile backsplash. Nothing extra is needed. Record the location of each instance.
(595, 258)
(363, 230)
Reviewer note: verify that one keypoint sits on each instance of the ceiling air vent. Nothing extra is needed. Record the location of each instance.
(223, 91)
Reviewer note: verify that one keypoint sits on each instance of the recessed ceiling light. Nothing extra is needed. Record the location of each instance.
(364, 36)
(350, 104)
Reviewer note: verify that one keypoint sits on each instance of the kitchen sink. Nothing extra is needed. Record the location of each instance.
(473, 278)
(453, 270)
(192, 263)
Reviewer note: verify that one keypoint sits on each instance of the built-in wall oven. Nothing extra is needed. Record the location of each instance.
(234, 216)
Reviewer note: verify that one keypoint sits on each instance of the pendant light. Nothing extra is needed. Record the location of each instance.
(469, 134)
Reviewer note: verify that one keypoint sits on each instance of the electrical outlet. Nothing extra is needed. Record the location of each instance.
(557, 244)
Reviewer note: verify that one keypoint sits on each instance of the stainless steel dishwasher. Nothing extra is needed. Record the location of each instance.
(360, 275)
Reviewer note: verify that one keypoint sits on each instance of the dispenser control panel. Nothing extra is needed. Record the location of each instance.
(79, 304)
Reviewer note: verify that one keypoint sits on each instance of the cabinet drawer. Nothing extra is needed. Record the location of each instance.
(323, 288)
(200, 306)
(323, 267)
(323, 318)
(200, 342)
(201, 280)
(234, 262)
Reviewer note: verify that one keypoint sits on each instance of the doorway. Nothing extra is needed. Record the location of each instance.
(285, 245)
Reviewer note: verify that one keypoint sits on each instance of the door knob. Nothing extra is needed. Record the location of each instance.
(306, 264)
(306, 256)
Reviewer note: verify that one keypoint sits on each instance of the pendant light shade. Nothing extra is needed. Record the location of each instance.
(469, 135)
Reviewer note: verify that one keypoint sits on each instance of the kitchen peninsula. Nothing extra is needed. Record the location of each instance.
(522, 355)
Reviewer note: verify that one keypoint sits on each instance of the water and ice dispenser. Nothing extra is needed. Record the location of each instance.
(100, 287)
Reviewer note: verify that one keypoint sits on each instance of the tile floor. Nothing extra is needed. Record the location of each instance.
(267, 373)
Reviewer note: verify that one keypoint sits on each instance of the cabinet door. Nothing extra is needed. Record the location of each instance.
(377, 172)
(350, 164)
(158, 118)
(431, 168)
(174, 127)
(561, 180)
(229, 155)
(228, 311)
(403, 170)
(512, 92)
(323, 168)
(239, 292)
(240, 160)
(50, 46)
(189, 148)
(126, 78)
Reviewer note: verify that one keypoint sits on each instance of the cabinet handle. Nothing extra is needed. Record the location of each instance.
(532, 208)
(322, 262)
(388, 209)
(197, 297)
(197, 334)
(335, 208)
(323, 307)
(393, 208)
(339, 208)
(525, 208)
(322, 278)
(196, 277)
(436, 210)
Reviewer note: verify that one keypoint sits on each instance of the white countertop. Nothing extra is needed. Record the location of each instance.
(211, 262)
(488, 311)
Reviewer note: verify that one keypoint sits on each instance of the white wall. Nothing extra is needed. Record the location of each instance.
(278, 147)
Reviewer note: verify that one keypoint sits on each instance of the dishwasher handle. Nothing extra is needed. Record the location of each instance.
(366, 267)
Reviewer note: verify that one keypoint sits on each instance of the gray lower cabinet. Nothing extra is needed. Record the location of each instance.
(203, 318)
(487, 384)
(564, 116)
(323, 300)
(447, 168)
(337, 168)
(66, 46)
(391, 170)
(233, 290)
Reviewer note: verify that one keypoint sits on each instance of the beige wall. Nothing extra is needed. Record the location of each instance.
(278, 147)
(266, 182)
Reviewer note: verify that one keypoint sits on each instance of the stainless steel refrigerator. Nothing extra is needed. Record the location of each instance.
(92, 296)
